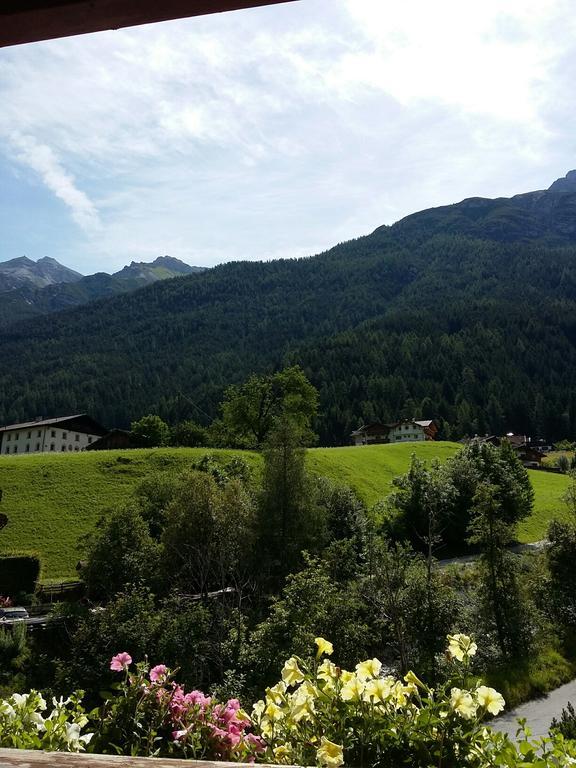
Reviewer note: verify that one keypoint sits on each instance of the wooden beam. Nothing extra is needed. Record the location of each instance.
(27, 758)
(27, 21)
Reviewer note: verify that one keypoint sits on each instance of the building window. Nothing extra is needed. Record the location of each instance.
(15, 449)
(27, 448)
(7, 449)
(17, 435)
(53, 433)
(39, 433)
(8, 436)
(77, 438)
(89, 438)
(64, 435)
(52, 447)
(77, 448)
(29, 435)
(63, 448)
(69, 447)
(37, 446)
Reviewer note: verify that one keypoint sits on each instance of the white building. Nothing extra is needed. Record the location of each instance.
(406, 431)
(60, 435)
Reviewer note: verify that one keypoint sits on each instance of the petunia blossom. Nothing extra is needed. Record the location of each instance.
(120, 662)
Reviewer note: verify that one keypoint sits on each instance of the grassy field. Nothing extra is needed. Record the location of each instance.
(52, 500)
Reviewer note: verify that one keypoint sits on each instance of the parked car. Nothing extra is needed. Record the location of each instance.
(13, 614)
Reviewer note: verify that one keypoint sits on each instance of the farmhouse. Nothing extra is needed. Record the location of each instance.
(398, 432)
(62, 434)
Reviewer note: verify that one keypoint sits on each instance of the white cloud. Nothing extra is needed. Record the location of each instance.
(43, 161)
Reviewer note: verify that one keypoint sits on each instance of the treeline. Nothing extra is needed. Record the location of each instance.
(478, 334)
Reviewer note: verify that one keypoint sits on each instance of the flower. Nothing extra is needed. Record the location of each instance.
(323, 647)
(411, 679)
(463, 703)
(282, 753)
(369, 668)
(379, 689)
(120, 662)
(491, 700)
(276, 693)
(291, 672)
(352, 690)
(461, 647)
(330, 754)
(158, 673)
(273, 712)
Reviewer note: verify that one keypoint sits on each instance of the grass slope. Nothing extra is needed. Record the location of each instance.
(52, 500)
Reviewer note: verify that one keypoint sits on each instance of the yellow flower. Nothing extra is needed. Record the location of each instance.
(411, 679)
(258, 709)
(463, 703)
(346, 676)
(491, 700)
(379, 689)
(291, 672)
(327, 671)
(266, 728)
(368, 668)
(323, 647)
(276, 693)
(400, 694)
(282, 753)
(461, 646)
(330, 754)
(274, 712)
(352, 690)
(302, 702)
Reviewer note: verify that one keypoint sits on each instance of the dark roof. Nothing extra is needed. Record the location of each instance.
(98, 428)
(26, 21)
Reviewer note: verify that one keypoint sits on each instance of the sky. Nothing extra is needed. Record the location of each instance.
(280, 131)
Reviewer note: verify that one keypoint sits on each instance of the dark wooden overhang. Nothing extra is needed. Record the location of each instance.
(27, 21)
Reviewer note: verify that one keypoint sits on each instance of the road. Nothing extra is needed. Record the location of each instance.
(538, 712)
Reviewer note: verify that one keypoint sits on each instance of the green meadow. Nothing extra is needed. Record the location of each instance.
(53, 500)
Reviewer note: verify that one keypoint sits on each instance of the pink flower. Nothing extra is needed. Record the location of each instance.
(158, 673)
(120, 662)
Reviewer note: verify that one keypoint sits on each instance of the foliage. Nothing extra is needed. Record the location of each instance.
(566, 725)
(311, 603)
(23, 724)
(119, 553)
(189, 434)
(150, 431)
(208, 533)
(249, 411)
(289, 518)
(19, 574)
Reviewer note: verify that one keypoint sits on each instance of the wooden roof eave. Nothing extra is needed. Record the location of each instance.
(28, 21)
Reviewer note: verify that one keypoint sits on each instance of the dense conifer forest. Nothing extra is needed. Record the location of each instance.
(456, 313)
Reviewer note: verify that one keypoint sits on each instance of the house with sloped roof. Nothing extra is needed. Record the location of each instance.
(64, 434)
(405, 431)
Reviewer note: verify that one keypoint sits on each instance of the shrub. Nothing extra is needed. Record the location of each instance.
(19, 574)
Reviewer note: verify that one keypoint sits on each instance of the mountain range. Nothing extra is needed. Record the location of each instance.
(465, 313)
(30, 288)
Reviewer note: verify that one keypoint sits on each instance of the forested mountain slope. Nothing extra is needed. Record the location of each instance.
(414, 319)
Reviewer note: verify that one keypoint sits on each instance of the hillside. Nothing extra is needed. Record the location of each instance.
(29, 300)
(52, 500)
(432, 317)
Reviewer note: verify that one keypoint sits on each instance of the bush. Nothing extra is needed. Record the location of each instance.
(19, 574)
(567, 723)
